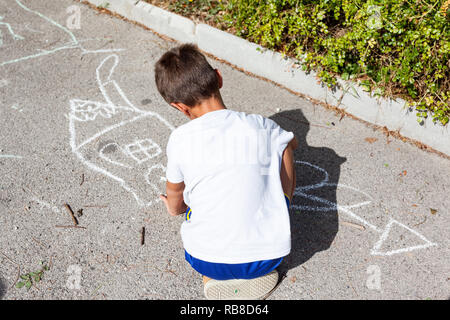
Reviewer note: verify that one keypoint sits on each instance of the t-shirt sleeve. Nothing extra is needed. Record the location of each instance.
(173, 170)
(280, 137)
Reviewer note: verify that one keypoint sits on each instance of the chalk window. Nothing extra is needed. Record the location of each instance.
(143, 150)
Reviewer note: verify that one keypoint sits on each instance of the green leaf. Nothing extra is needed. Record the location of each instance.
(20, 284)
(24, 277)
(28, 284)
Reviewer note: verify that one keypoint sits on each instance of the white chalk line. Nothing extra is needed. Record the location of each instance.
(107, 129)
(74, 39)
(140, 149)
(15, 107)
(46, 205)
(377, 246)
(147, 176)
(74, 44)
(104, 157)
(331, 206)
(10, 156)
(11, 31)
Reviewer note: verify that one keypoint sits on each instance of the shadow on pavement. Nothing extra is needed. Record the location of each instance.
(2, 288)
(313, 215)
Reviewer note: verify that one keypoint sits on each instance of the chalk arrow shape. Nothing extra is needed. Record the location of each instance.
(387, 234)
(315, 203)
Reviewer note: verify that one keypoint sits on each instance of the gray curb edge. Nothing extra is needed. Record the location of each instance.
(259, 61)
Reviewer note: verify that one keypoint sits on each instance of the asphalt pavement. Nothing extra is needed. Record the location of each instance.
(82, 124)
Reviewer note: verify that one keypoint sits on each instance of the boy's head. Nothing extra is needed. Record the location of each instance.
(184, 76)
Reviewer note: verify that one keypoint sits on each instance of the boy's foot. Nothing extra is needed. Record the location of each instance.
(241, 289)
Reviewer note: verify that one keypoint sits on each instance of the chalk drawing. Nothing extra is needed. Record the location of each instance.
(152, 172)
(15, 107)
(11, 31)
(324, 205)
(106, 158)
(74, 43)
(46, 205)
(10, 156)
(118, 140)
(143, 150)
(376, 248)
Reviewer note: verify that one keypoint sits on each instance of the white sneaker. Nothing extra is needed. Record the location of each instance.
(241, 289)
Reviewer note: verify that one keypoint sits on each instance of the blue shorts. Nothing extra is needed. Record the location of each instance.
(227, 271)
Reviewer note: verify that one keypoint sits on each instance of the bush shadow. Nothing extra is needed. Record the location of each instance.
(313, 214)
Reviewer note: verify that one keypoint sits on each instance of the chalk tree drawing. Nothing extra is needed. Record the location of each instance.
(73, 43)
(324, 205)
(118, 140)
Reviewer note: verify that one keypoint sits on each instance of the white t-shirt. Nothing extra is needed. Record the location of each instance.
(230, 164)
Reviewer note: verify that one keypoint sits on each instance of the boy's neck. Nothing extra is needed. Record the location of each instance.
(208, 105)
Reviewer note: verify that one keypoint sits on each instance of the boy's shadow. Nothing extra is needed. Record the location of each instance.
(2, 288)
(313, 214)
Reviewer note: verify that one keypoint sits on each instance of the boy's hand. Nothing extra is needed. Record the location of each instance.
(163, 197)
(174, 199)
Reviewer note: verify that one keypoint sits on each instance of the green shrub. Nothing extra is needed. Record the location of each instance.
(391, 47)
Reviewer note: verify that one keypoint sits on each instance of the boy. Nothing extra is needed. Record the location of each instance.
(232, 174)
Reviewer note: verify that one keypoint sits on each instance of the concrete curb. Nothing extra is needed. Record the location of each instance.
(284, 71)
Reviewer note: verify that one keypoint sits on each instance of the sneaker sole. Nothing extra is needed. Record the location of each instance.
(241, 289)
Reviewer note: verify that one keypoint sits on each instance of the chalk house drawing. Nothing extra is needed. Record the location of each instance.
(118, 140)
(73, 42)
(324, 205)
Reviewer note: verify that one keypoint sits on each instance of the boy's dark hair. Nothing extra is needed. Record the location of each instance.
(184, 75)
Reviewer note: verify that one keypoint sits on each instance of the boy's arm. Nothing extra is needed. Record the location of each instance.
(174, 199)
(287, 174)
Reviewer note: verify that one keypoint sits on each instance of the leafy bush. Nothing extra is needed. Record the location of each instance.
(391, 47)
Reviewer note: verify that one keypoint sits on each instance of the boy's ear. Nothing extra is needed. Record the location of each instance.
(182, 107)
(219, 76)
